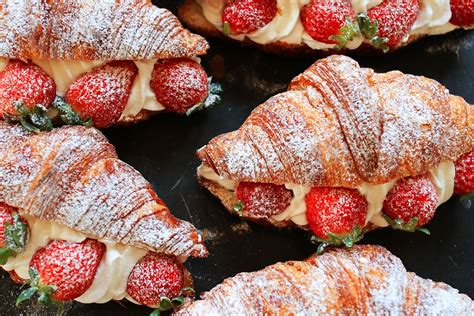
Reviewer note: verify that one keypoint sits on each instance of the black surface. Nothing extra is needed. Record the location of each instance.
(163, 151)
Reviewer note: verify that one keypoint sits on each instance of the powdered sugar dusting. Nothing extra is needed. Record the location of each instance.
(93, 30)
(367, 279)
(72, 176)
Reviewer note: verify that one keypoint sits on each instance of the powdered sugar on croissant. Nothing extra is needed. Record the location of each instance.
(365, 279)
(340, 125)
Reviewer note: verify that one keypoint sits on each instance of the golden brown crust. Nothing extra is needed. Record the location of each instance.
(190, 12)
(342, 125)
(72, 176)
(366, 280)
(93, 30)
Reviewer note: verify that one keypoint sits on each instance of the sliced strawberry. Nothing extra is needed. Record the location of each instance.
(462, 12)
(25, 83)
(329, 21)
(154, 278)
(411, 203)
(394, 19)
(14, 233)
(63, 270)
(262, 200)
(464, 176)
(179, 84)
(336, 215)
(247, 16)
(103, 93)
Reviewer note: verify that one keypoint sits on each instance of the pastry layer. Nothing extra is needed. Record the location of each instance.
(442, 177)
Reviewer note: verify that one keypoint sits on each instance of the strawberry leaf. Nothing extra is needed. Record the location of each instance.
(213, 98)
(238, 207)
(156, 312)
(5, 253)
(348, 240)
(410, 226)
(346, 34)
(226, 28)
(32, 121)
(165, 304)
(178, 301)
(16, 237)
(370, 30)
(467, 197)
(67, 114)
(25, 295)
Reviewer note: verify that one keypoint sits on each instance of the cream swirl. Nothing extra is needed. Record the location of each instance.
(286, 27)
(110, 281)
(65, 72)
(442, 178)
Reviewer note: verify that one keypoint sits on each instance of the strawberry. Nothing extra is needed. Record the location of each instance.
(262, 200)
(336, 215)
(464, 176)
(330, 22)
(462, 12)
(103, 93)
(155, 279)
(179, 84)
(247, 16)
(27, 84)
(393, 20)
(14, 233)
(63, 270)
(411, 203)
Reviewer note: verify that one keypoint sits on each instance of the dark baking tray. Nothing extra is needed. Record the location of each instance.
(162, 149)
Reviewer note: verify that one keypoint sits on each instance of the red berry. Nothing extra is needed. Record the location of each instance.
(464, 176)
(179, 84)
(412, 197)
(69, 266)
(395, 19)
(262, 200)
(24, 82)
(103, 93)
(247, 16)
(6, 216)
(155, 276)
(322, 19)
(335, 211)
(462, 12)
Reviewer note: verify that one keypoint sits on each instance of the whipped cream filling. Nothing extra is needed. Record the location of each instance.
(442, 178)
(65, 72)
(110, 281)
(287, 27)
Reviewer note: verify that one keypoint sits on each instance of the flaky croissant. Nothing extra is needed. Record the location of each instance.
(110, 60)
(342, 126)
(72, 176)
(364, 280)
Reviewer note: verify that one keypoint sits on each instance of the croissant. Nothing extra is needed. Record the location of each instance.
(68, 186)
(70, 51)
(364, 280)
(342, 150)
(315, 28)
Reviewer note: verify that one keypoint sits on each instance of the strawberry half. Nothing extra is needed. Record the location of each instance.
(336, 215)
(14, 233)
(262, 200)
(247, 16)
(102, 94)
(464, 176)
(157, 281)
(411, 203)
(462, 12)
(331, 22)
(27, 84)
(63, 270)
(179, 84)
(393, 20)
